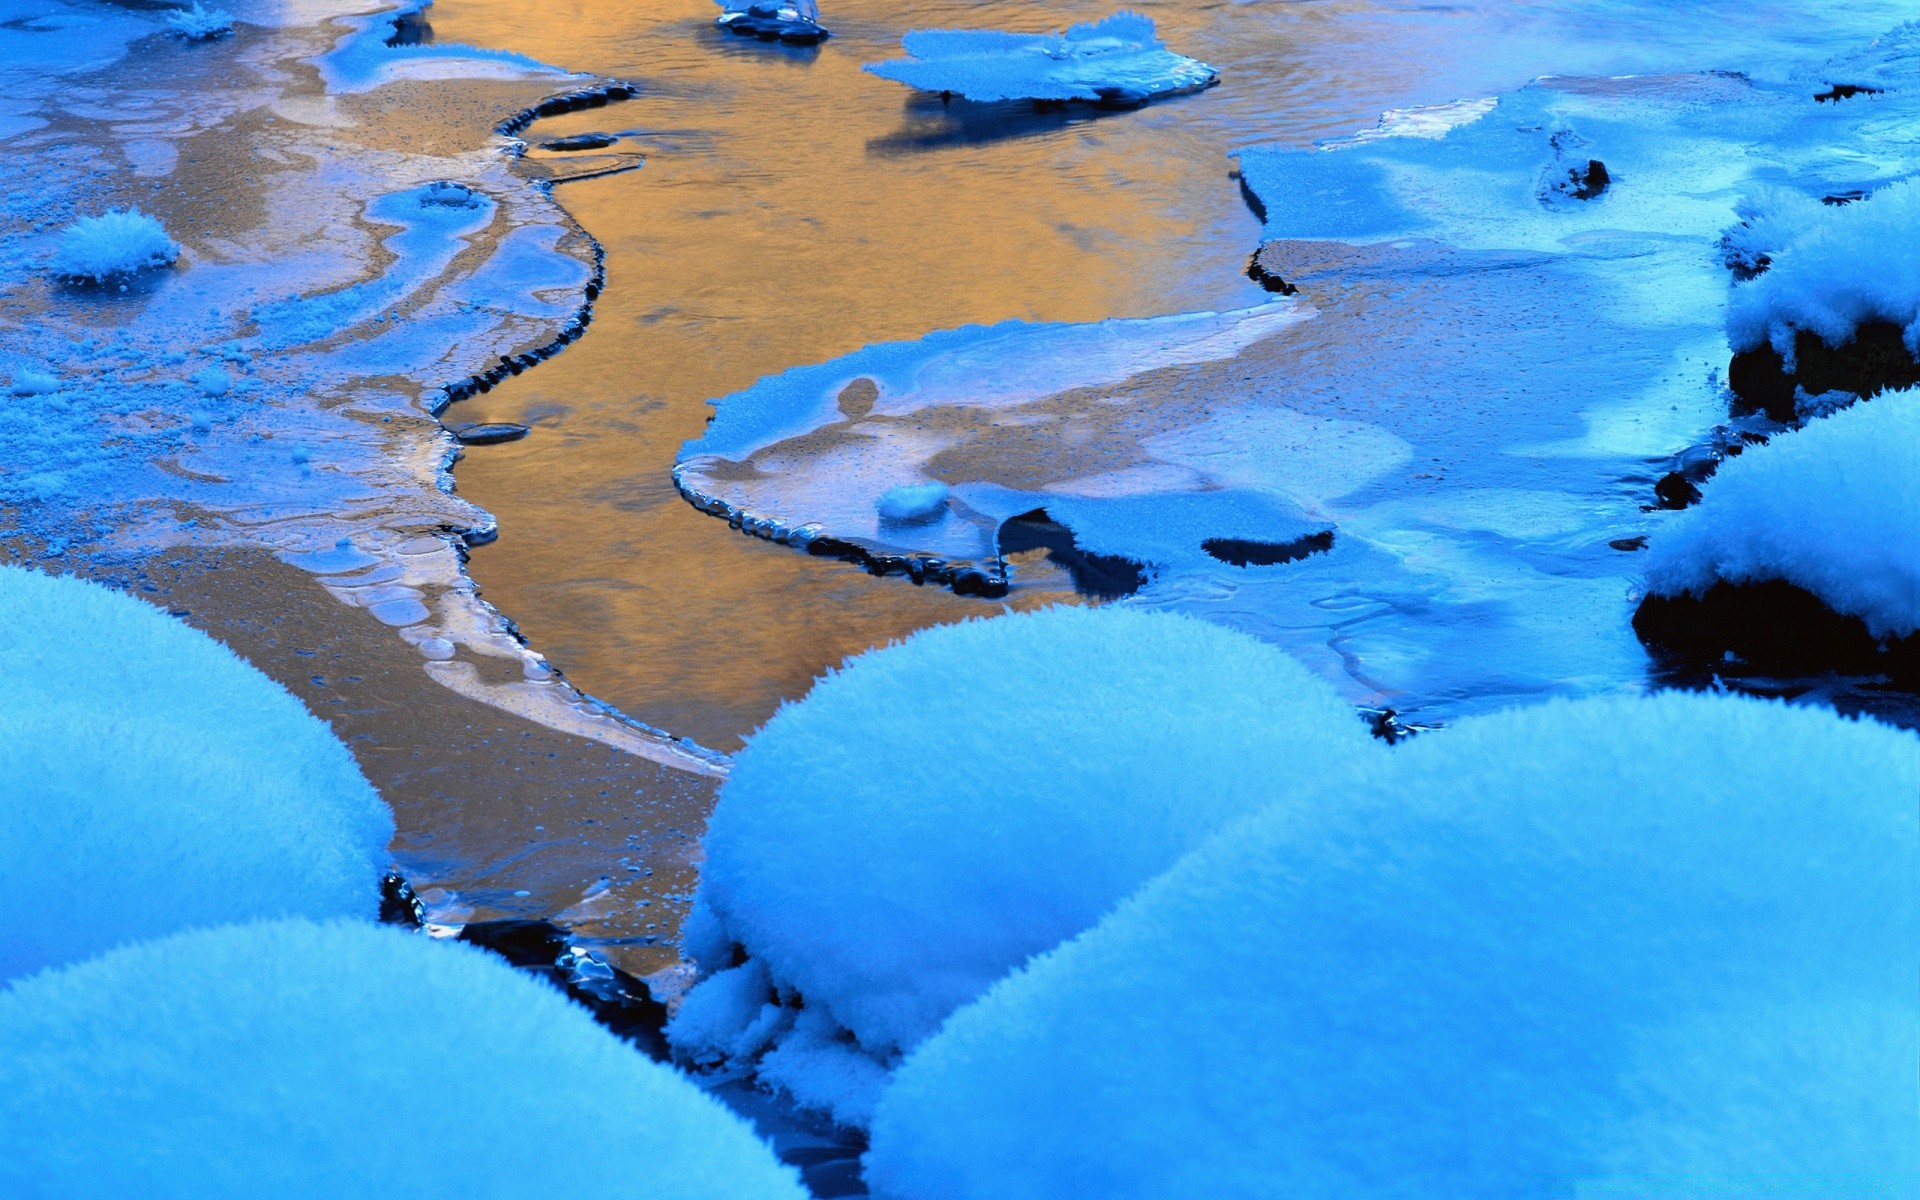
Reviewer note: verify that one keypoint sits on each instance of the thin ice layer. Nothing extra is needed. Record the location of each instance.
(1118, 59)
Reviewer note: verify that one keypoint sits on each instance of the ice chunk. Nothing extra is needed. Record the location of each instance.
(796, 21)
(1833, 508)
(1117, 60)
(199, 24)
(1622, 947)
(913, 502)
(935, 812)
(292, 1059)
(117, 242)
(150, 781)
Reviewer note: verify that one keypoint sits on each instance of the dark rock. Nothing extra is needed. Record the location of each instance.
(1244, 553)
(1628, 545)
(1772, 627)
(620, 1002)
(522, 942)
(488, 434)
(1586, 183)
(1845, 91)
(1258, 272)
(1105, 576)
(1676, 491)
(1873, 361)
(398, 904)
(580, 141)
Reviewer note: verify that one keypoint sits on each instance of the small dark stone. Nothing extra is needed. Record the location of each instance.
(1589, 181)
(1257, 271)
(580, 141)
(1627, 545)
(1676, 491)
(489, 433)
(1244, 553)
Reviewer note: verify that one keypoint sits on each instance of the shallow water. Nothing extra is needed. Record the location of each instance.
(793, 209)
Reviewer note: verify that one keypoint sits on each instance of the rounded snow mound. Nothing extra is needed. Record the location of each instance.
(150, 781)
(935, 812)
(1832, 508)
(117, 242)
(299, 1059)
(1642, 948)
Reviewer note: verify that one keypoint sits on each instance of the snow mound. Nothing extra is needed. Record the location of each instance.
(1623, 947)
(297, 1059)
(34, 383)
(152, 781)
(935, 812)
(117, 242)
(913, 502)
(1117, 60)
(1833, 268)
(1831, 508)
(200, 24)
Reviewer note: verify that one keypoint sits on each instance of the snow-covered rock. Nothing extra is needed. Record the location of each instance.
(198, 23)
(796, 21)
(118, 242)
(1833, 508)
(1621, 947)
(299, 1059)
(151, 781)
(913, 502)
(1116, 60)
(935, 812)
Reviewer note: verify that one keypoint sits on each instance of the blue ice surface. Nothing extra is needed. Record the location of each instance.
(362, 60)
(1118, 59)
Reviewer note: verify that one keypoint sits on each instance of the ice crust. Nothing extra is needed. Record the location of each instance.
(1118, 59)
(118, 242)
(1628, 947)
(150, 780)
(1833, 507)
(292, 1059)
(1831, 269)
(936, 811)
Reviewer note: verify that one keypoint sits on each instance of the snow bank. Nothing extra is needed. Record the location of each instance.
(935, 812)
(199, 24)
(1620, 947)
(297, 1059)
(1119, 59)
(1832, 508)
(150, 781)
(117, 242)
(1833, 268)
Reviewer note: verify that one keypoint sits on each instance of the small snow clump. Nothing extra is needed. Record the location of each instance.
(1117, 60)
(935, 812)
(212, 381)
(913, 502)
(1833, 508)
(344, 1058)
(1625, 947)
(1831, 271)
(152, 781)
(34, 383)
(117, 242)
(199, 24)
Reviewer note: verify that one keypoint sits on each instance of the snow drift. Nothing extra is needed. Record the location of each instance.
(935, 812)
(116, 243)
(1620, 947)
(1833, 508)
(1117, 60)
(300, 1059)
(150, 781)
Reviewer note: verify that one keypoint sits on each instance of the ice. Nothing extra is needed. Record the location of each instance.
(199, 24)
(1831, 269)
(1832, 508)
(150, 781)
(936, 811)
(1628, 947)
(302, 1059)
(1118, 60)
(367, 57)
(913, 502)
(796, 21)
(116, 243)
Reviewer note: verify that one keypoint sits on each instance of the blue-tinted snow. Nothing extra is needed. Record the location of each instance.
(1117, 60)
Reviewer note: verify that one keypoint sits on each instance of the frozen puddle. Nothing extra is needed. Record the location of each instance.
(353, 257)
(1429, 467)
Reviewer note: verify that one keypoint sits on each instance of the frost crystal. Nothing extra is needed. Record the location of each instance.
(198, 24)
(117, 242)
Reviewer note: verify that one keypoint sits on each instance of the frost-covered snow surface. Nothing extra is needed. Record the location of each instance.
(1622, 947)
(1116, 60)
(115, 243)
(1831, 268)
(150, 781)
(1833, 507)
(302, 1059)
(937, 811)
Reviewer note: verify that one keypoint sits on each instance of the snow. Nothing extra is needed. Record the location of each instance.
(934, 812)
(1833, 268)
(913, 502)
(1118, 59)
(199, 24)
(303, 1059)
(1832, 508)
(29, 382)
(153, 781)
(118, 242)
(212, 381)
(1626, 947)
(788, 20)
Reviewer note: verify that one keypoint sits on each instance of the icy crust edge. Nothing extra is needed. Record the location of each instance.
(1118, 61)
